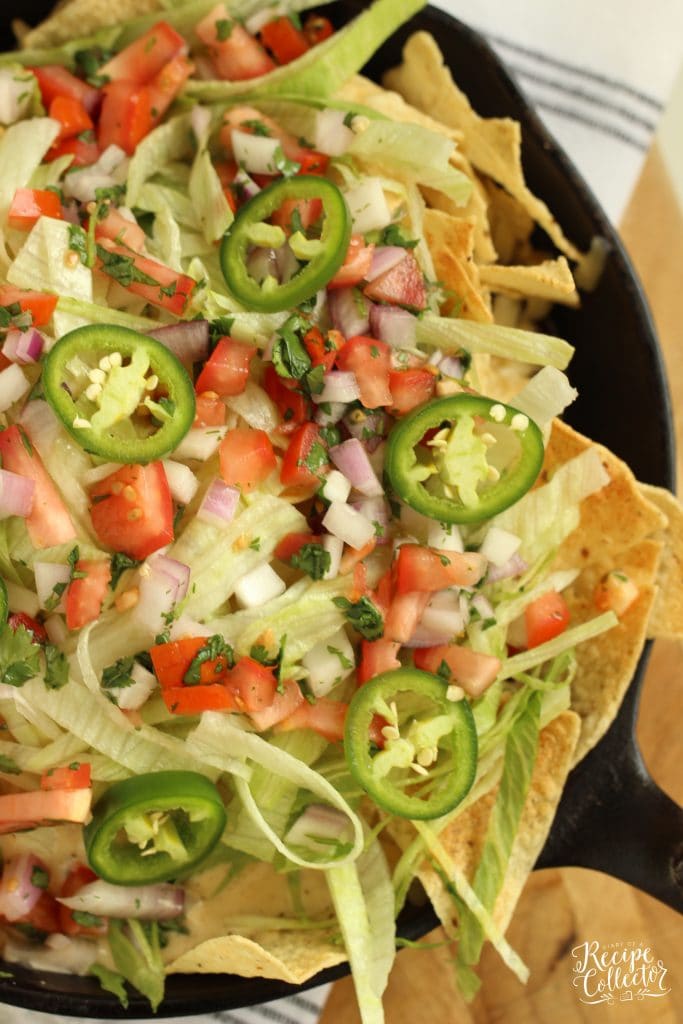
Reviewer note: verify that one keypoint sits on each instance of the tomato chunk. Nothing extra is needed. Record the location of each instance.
(171, 662)
(356, 266)
(210, 410)
(283, 705)
(235, 54)
(470, 669)
(402, 285)
(425, 569)
(83, 598)
(76, 776)
(28, 204)
(49, 522)
(120, 230)
(306, 460)
(615, 592)
(293, 406)
(323, 350)
(144, 58)
(39, 805)
(284, 40)
(166, 85)
(227, 370)
(84, 151)
(246, 457)
(40, 305)
(54, 80)
(410, 388)
(404, 614)
(72, 116)
(292, 543)
(193, 700)
(377, 656)
(132, 510)
(126, 115)
(545, 618)
(253, 684)
(170, 291)
(317, 28)
(327, 717)
(370, 360)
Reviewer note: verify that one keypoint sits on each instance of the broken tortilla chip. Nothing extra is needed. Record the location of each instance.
(551, 280)
(666, 620)
(451, 241)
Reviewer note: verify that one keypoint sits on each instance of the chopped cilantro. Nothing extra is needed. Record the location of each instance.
(312, 559)
(330, 435)
(316, 458)
(56, 668)
(8, 766)
(78, 243)
(224, 27)
(255, 544)
(119, 564)
(393, 235)
(39, 877)
(87, 920)
(122, 268)
(214, 648)
(345, 662)
(363, 615)
(118, 675)
(19, 656)
(287, 168)
(257, 127)
(290, 358)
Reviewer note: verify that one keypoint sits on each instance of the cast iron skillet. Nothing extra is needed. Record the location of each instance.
(612, 816)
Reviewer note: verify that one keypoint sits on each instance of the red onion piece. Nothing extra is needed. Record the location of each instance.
(220, 502)
(18, 894)
(16, 494)
(514, 567)
(143, 902)
(349, 311)
(245, 185)
(351, 459)
(338, 386)
(368, 429)
(30, 345)
(262, 263)
(319, 822)
(188, 340)
(451, 366)
(393, 325)
(384, 258)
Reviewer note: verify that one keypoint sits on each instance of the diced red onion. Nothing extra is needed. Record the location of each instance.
(326, 419)
(515, 567)
(349, 311)
(163, 582)
(182, 482)
(451, 366)
(18, 894)
(348, 525)
(339, 386)
(13, 386)
(262, 263)
(331, 135)
(246, 186)
(436, 357)
(142, 902)
(16, 494)
(219, 503)
(48, 576)
(319, 822)
(384, 258)
(483, 606)
(351, 458)
(256, 153)
(393, 325)
(367, 427)
(188, 340)
(30, 346)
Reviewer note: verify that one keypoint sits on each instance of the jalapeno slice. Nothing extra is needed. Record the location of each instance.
(154, 827)
(122, 395)
(464, 458)
(429, 758)
(320, 256)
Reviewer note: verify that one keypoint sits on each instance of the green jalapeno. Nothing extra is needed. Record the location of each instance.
(320, 256)
(463, 459)
(429, 758)
(154, 827)
(122, 395)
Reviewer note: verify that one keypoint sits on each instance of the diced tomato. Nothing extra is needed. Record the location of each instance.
(310, 162)
(472, 670)
(253, 684)
(323, 350)
(83, 598)
(40, 305)
(39, 805)
(402, 285)
(172, 660)
(405, 611)
(306, 460)
(283, 705)
(235, 54)
(293, 406)
(370, 360)
(54, 80)
(377, 656)
(28, 204)
(79, 876)
(292, 543)
(352, 557)
(144, 58)
(72, 116)
(120, 230)
(317, 28)
(284, 40)
(126, 115)
(84, 151)
(49, 522)
(326, 717)
(227, 370)
(44, 916)
(410, 388)
(166, 85)
(194, 700)
(426, 569)
(132, 510)
(293, 213)
(210, 410)
(246, 457)
(545, 618)
(35, 628)
(615, 592)
(356, 266)
(66, 777)
(172, 290)
(249, 120)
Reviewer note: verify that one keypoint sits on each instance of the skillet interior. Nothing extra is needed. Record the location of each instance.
(623, 403)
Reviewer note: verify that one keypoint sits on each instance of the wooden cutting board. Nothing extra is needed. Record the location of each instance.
(562, 909)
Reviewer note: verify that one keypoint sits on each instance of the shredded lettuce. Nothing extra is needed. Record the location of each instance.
(207, 196)
(552, 648)
(170, 141)
(454, 335)
(22, 148)
(42, 262)
(545, 396)
(136, 953)
(77, 312)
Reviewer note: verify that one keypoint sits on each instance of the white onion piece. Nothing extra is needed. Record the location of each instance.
(319, 822)
(423, 637)
(20, 599)
(339, 387)
(130, 698)
(451, 366)
(13, 386)
(348, 525)
(499, 545)
(335, 486)
(255, 22)
(142, 902)
(18, 894)
(483, 606)
(257, 587)
(515, 567)
(219, 503)
(163, 582)
(246, 187)
(336, 412)
(256, 153)
(182, 482)
(15, 96)
(262, 263)
(384, 258)
(368, 206)
(82, 184)
(200, 443)
(16, 494)
(351, 458)
(287, 263)
(97, 473)
(189, 340)
(331, 135)
(393, 325)
(335, 549)
(200, 120)
(444, 614)
(48, 576)
(40, 423)
(376, 512)
(350, 311)
(367, 427)
(446, 538)
(328, 663)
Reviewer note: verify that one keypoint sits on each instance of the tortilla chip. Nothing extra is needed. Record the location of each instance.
(551, 280)
(366, 92)
(511, 225)
(292, 956)
(451, 241)
(492, 144)
(666, 619)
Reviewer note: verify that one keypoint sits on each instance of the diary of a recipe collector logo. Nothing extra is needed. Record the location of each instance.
(618, 972)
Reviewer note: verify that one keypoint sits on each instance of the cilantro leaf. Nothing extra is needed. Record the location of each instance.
(363, 615)
(393, 235)
(312, 559)
(19, 656)
(56, 668)
(8, 766)
(122, 268)
(118, 675)
(290, 358)
(214, 648)
(119, 564)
